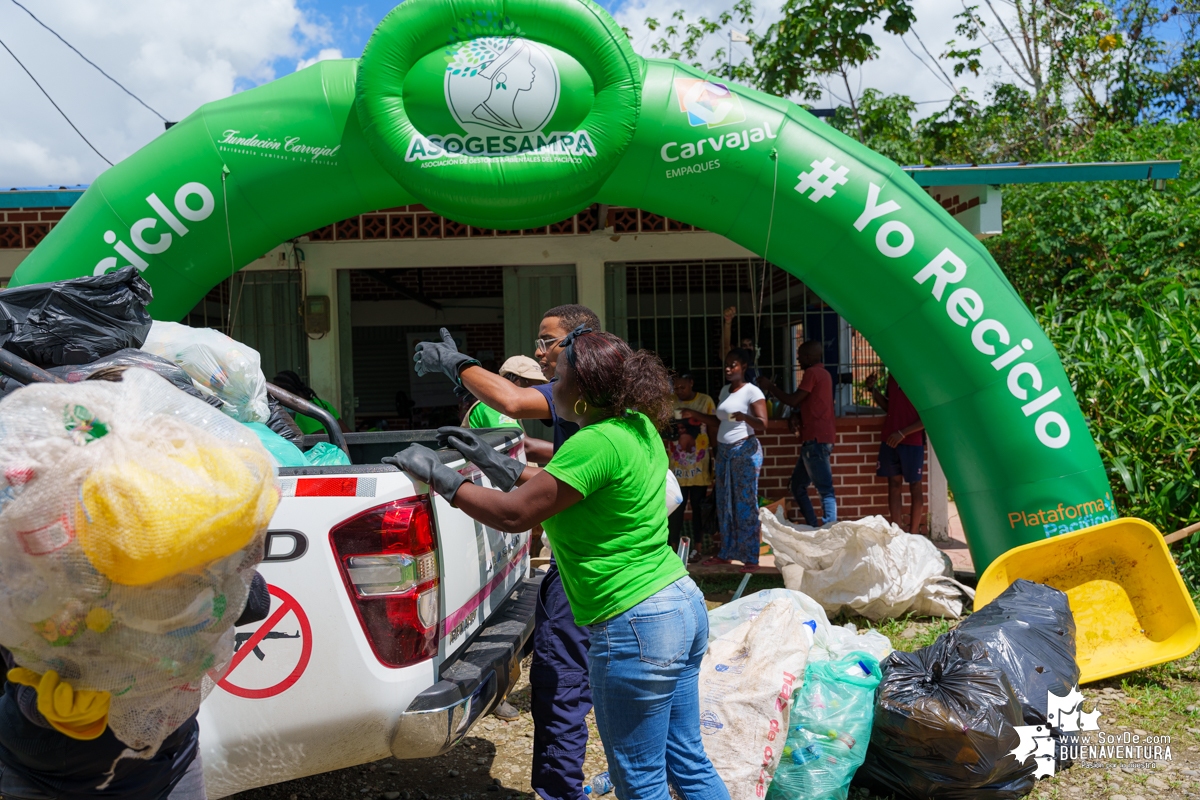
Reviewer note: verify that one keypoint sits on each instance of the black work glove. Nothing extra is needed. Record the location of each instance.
(441, 357)
(258, 602)
(501, 470)
(423, 464)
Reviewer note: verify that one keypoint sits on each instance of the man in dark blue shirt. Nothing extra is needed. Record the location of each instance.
(561, 695)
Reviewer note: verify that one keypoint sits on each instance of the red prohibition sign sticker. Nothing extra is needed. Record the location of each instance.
(280, 680)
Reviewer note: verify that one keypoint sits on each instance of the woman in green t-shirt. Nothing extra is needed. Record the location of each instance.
(601, 501)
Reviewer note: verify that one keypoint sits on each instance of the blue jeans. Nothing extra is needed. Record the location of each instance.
(559, 696)
(645, 675)
(813, 468)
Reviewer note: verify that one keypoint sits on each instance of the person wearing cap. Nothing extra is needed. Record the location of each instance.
(521, 370)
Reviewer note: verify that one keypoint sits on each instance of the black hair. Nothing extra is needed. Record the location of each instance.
(814, 348)
(289, 381)
(743, 355)
(572, 315)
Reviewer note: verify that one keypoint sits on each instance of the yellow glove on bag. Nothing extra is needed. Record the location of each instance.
(78, 713)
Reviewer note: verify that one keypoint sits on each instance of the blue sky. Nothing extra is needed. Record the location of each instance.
(350, 24)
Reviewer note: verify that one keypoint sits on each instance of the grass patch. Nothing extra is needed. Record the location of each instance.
(727, 584)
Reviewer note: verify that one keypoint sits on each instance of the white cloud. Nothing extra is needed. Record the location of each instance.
(174, 54)
(326, 54)
(36, 160)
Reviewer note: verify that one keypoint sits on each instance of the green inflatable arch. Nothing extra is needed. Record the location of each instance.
(515, 113)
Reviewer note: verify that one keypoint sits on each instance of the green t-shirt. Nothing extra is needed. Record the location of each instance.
(482, 416)
(611, 547)
(308, 425)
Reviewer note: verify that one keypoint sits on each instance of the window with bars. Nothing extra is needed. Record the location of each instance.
(676, 308)
(266, 307)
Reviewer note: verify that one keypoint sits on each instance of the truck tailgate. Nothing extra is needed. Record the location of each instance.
(305, 692)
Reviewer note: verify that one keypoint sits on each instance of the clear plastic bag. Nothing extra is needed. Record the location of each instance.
(131, 517)
(227, 368)
(132, 357)
(829, 642)
(829, 729)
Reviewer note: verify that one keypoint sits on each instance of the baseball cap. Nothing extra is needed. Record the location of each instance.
(523, 367)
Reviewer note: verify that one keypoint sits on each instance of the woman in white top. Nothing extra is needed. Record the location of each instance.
(741, 413)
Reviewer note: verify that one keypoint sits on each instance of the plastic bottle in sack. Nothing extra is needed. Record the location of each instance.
(601, 784)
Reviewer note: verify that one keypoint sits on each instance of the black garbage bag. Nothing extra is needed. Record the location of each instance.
(131, 357)
(944, 727)
(1029, 632)
(282, 423)
(76, 321)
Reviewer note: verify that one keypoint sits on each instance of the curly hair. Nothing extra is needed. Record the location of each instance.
(613, 377)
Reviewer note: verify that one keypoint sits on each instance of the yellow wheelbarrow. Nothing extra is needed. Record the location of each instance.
(1131, 607)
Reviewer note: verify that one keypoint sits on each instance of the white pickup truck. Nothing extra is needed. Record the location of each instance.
(396, 622)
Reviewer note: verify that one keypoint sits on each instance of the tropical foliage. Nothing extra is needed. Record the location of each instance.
(1111, 270)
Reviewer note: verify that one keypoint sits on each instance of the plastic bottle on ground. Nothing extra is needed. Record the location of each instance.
(601, 784)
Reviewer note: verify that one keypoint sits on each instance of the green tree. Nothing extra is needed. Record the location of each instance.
(884, 124)
(1112, 272)
(1085, 62)
(819, 39)
(685, 40)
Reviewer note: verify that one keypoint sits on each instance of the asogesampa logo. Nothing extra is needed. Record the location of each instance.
(1065, 715)
(501, 83)
(708, 103)
(503, 91)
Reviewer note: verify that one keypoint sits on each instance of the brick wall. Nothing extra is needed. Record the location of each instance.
(436, 283)
(485, 336)
(22, 228)
(859, 492)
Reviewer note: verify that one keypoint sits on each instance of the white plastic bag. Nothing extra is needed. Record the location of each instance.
(131, 517)
(866, 567)
(746, 684)
(227, 368)
(830, 642)
(674, 495)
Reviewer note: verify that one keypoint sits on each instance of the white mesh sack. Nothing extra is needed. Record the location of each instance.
(229, 369)
(131, 517)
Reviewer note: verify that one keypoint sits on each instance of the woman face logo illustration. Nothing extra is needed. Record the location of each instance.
(510, 75)
(509, 85)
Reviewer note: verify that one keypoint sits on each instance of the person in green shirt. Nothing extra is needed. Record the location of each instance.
(290, 381)
(600, 499)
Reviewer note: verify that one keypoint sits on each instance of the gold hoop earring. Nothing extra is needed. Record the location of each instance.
(579, 413)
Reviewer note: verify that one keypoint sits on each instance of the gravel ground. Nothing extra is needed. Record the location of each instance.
(494, 762)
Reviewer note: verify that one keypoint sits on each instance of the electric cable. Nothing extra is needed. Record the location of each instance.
(51, 99)
(88, 60)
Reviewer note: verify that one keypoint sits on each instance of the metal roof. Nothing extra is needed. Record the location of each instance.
(1056, 172)
(41, 196)
(950, 175)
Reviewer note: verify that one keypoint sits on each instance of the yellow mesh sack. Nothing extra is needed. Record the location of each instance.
(131, 518)
(145, 521)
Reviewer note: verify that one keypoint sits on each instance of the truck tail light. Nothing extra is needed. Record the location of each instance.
(388, 560)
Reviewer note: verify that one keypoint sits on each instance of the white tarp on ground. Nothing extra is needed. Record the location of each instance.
(867, 566)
